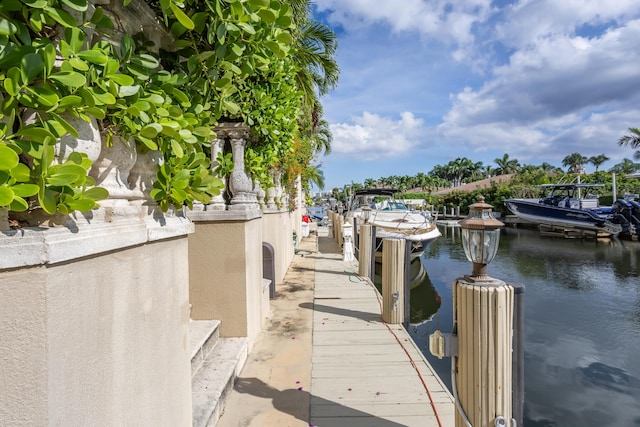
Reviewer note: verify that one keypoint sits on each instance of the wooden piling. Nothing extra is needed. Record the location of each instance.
(393, 263)
(483, 319)
(365, 250)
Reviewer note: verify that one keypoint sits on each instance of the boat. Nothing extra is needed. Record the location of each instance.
(393, 219)
(564, 210)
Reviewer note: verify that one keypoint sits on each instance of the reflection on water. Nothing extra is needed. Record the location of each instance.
(424, 301)
(582, 323)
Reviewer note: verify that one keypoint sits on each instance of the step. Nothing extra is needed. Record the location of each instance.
(204, 336)
(214, 380)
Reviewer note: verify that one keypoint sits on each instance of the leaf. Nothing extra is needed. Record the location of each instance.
(79, 5)
(151, 131)
(36, 4)
(61, 17)
(95, 56)
(148, 143)
(21, 173)
(70, 101)
(97, 15)
(62, 179)
(96, 193)
(285, 38)
(78, 64)
(47, 200)
(8, 158)
(11, 85)
(6, 196)
(182, 17)
(45, 95)
(121, 79)
(69, 78)
(176, 148)
(18, 204)
(7, 28)
(125, 91)
(145, 60)
(30, 66)
(49, 57)
(82, 205)
(35, 133)
(102, 97)
(25, 190)
(75, 39)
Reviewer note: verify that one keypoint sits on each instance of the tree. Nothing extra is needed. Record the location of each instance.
(632, 140)
(598, 160)
(369, 183)
(575, 161)
(625, 166)
(506, 165)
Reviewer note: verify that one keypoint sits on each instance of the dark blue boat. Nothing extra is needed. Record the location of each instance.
(564, 208)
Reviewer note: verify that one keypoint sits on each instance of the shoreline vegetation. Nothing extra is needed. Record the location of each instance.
(461, 181)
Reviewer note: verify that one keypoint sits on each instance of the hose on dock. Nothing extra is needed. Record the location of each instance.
(413, 363)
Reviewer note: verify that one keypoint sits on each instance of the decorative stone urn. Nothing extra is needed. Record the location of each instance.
(112, 169)
(279, 197)
(260, 193)
(217, 202)
(271, 194)
(143, 174)
(244, 198)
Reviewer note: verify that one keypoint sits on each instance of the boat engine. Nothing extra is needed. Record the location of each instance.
(629, 210)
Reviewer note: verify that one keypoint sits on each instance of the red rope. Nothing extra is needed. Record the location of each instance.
(413, 363)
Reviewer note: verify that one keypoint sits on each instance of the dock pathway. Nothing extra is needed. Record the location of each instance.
(365, 373)
(326, 359)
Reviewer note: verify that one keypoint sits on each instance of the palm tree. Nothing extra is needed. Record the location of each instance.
(369, 183)
(575, 161)
(625, 166)
(506, 165)
(632, 140)
(547, 167)
(598, 160)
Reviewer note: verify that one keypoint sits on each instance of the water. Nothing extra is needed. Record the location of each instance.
(582, 322)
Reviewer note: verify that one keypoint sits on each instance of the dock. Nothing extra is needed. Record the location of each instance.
(346, 366)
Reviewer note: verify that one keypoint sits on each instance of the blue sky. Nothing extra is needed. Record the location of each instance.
(423, 82)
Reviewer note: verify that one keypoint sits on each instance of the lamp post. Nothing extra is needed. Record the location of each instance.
(481, 343)
(366, 214)
(480, 237)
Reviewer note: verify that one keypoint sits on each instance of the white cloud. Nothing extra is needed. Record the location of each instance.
(374, 137)
(440, 19)
(554, 96)
(528, 21)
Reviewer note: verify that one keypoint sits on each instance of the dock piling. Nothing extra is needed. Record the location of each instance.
(393, 268)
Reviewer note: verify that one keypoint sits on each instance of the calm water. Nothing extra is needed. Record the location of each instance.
(582, 322)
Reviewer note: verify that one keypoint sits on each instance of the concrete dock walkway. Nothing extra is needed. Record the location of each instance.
(325, 358)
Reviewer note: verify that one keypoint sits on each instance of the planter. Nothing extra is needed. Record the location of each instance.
(112, 169)
(143, 174)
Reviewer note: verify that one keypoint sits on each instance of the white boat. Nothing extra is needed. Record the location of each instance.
(393, 219)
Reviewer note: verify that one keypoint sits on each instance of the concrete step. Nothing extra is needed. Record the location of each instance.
(204, 336)
(213, 381)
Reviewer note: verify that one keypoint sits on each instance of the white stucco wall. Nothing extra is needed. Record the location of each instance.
(100, 339)
(277, 229)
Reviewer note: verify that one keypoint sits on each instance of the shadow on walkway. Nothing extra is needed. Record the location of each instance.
(362, 315)
(289, 401)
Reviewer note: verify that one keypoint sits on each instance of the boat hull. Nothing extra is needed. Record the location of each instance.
(553, 216)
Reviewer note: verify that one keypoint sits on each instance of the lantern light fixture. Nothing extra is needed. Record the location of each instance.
(480, 238)
(366, 214)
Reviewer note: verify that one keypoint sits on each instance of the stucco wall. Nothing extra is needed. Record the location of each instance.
(99, 340)
(277, 229)
(225, 261)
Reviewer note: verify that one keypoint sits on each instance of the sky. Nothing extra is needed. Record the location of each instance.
(423, 82)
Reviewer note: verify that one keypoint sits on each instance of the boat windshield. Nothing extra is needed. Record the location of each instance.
(390, 205)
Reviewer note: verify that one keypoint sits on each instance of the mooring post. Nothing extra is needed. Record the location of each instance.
(356, 239)
(364, 261)
(518, 354)
(393, 251)
(483, 323)
(483, 338)
(407, 284)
